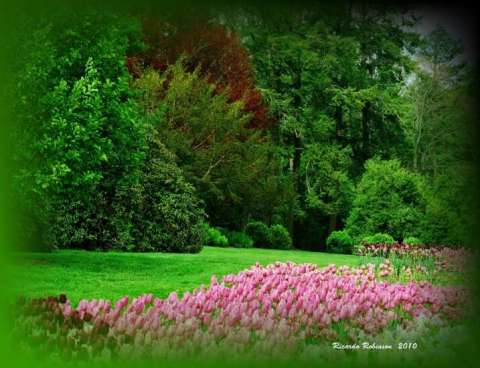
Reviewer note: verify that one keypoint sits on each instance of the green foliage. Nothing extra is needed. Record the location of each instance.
(92, 173)
(263, 236)
(328, 186)
(411, 240)
(379, 238)
(66, 109)
(340, 242)
(388, 199)
(85, 140)
(279, 237)
(238, 239)
(260, 234)
(450, 212)
(163, 209)
(440, 126)
(230, 166)
(336, 99)
(113, 160)
(215, 238)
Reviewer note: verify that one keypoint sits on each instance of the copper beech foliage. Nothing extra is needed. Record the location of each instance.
(215, 50)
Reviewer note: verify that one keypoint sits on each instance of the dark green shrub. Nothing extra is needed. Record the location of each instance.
(80, 138)
(238, 239)
(163, 210)
(260, 234)
(279, 237)
(340, 242)
(88, 162)
(378, 238)
(215, 238)
(274, 237)
(411, 240)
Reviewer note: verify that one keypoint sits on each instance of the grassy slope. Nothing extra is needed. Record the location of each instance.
(82, 274)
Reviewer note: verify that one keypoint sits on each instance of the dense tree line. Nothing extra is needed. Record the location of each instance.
(144, 133)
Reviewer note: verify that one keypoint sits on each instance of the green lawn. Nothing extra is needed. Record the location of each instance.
(81, 274)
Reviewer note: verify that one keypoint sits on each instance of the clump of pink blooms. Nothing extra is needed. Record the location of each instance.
(399, 250)
(386, 269)
(262, 309)
(454, 259)
(446, 257)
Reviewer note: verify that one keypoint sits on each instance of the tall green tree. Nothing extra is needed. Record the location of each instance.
(440, 128)
(91, 173)
(438, 119)
(229, 164)
(332, 84)
(79, 133)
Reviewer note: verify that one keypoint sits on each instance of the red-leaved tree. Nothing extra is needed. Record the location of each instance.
(215, 50)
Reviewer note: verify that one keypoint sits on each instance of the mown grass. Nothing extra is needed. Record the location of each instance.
(82, 274)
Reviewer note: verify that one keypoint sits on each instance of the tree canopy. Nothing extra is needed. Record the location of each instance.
(134, 131)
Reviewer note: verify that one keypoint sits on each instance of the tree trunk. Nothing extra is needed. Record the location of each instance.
(332, 225)
(297, 156)
(366, 130)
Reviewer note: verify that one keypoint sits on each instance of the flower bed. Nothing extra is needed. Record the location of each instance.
(282, 307)
(445, 256)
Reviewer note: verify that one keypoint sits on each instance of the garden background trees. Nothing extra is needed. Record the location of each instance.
(440, 126)
(135, 131)
(332, 83)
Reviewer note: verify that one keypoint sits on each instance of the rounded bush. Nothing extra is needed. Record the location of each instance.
(163, 211)
(411, 240)
(388, 196)
(280, 237)
(340, 242)
(215, 238)
(260, 234)
(238, 239)
(378, 238)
